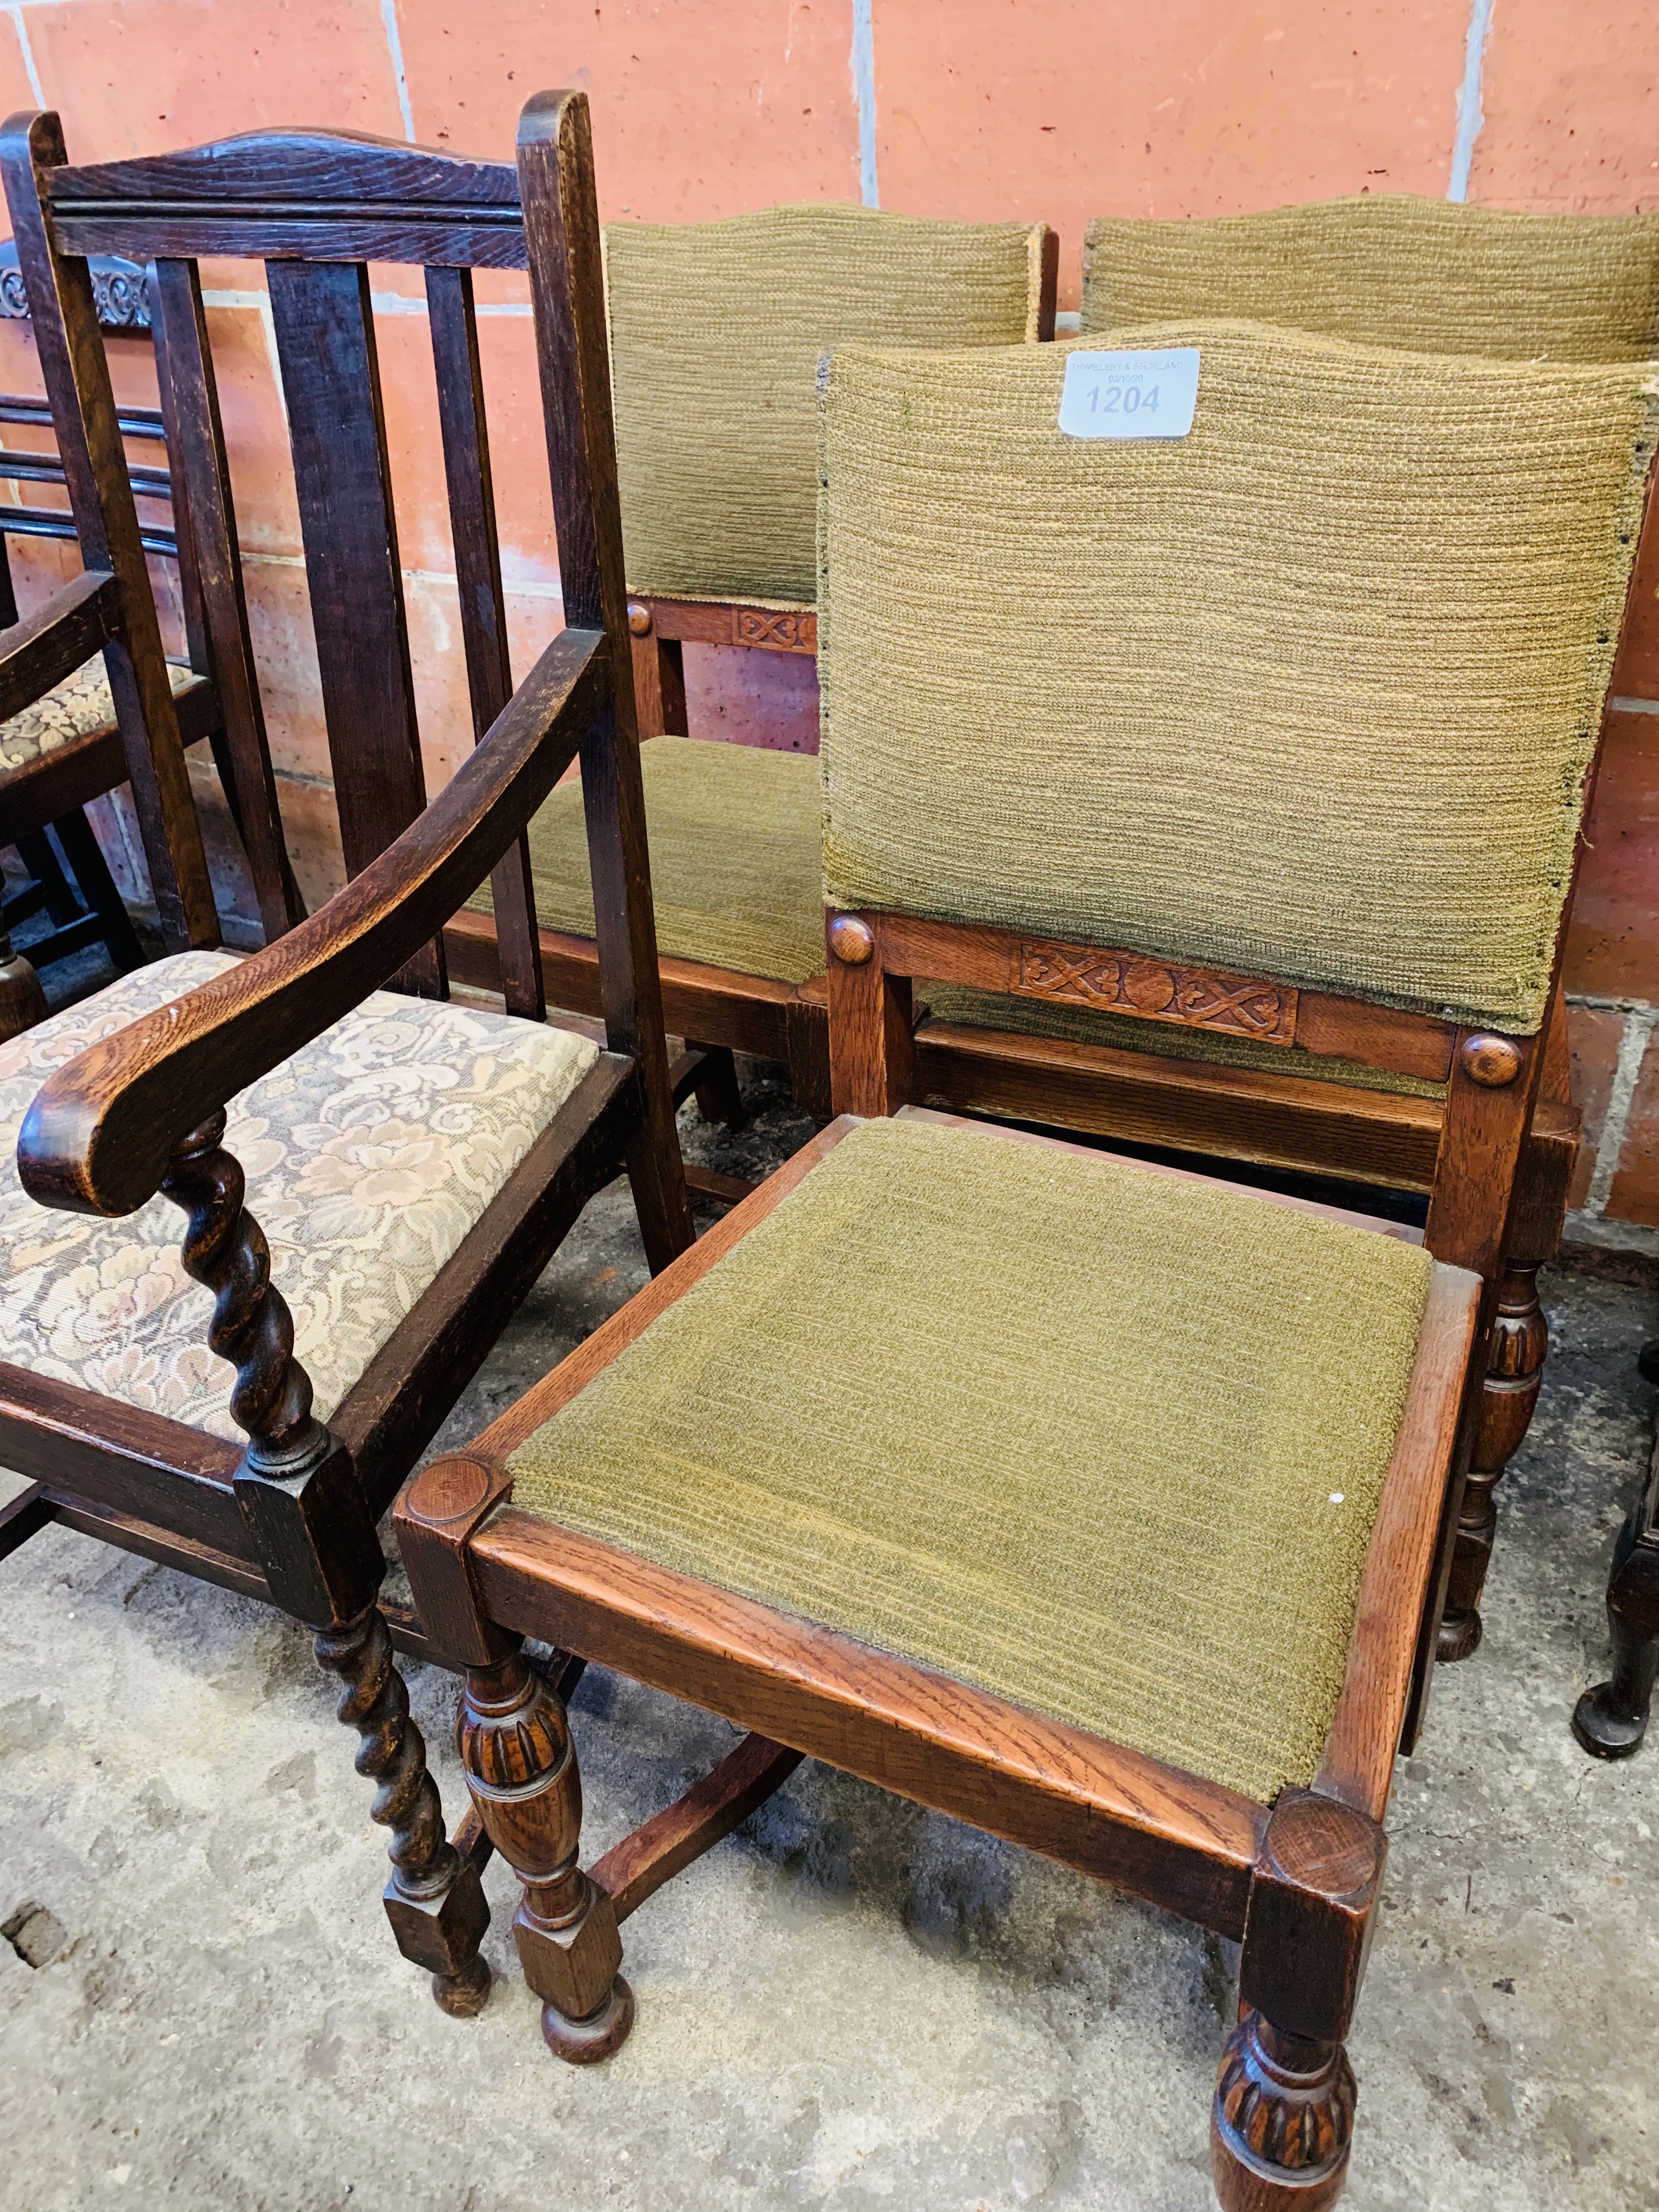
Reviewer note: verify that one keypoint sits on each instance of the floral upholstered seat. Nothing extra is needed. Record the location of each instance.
(368, 1157)
(74, 708)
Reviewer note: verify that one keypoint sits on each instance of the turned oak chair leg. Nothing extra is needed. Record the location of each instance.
(520, 1764)
(1611, 1720)
(1283, 2116)
(715, 1091)
(313, 1534)
(22, 1001)
(1515, 1370)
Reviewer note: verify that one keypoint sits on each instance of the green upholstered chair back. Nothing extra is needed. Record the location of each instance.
(1308, 694)
(1391, 268)
(716, 329)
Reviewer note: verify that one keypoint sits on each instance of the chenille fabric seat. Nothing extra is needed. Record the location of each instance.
(368, 1154)
(735, 868)
(1065, 1429)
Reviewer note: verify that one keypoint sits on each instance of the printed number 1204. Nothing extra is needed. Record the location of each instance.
(1129, 395)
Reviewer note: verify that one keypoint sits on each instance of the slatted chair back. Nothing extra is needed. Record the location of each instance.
(1394, 269)
(316, 211)
(1283, 729)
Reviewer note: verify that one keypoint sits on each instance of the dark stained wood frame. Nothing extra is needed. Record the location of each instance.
(487, 1575)
(291, 1516)
(52, 790)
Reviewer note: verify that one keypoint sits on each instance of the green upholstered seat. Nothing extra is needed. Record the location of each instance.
(1106, 1441)
(735, 864)
(715, 333)
(1393, 270)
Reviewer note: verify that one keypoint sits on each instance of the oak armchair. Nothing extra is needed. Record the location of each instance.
(715, 331)
(1103, 1505)
(371, 1178)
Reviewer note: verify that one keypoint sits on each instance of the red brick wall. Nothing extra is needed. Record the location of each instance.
(1057, 109)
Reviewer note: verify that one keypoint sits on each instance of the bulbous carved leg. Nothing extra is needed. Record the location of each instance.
(434, 1899)
(313, 1534)
(1611, 1720)
(1282, 2121)
(522, 1769)
(1514, 1366)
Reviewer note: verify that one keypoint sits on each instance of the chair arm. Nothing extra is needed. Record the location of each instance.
(97, 1138)
(56, 638)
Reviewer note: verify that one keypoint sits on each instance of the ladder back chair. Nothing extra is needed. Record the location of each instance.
(715, 333)
(88, 701)
(247, 1407)
(1427, 276)
(1151, 1581)
(70, 741)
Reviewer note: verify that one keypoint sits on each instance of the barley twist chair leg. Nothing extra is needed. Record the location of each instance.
(520, 1764)
(1515, 1370)
(313, 1534)
(434, 1900)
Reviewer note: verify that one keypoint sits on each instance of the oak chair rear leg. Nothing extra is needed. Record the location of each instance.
(1282, 2120)
(313, 1534)
(1611, 1720)
(719, 1099)
(22, 1001)
(514, 1741)
(84, 855)
(1515, 1371)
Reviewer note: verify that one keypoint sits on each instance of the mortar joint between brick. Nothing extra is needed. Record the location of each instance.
(1640, 1023)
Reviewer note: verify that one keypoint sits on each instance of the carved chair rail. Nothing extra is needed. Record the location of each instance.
(100, 1136)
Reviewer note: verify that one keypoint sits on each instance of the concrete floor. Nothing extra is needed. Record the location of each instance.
(851, 2003)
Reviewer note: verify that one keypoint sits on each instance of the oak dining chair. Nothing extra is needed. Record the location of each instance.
(1103, 1505)
(715, 333)
(1434, 276)
(1393, 270)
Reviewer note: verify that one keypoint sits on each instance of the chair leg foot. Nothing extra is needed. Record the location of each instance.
(1515, 1370)
(719, 1099)
(463, 1995)
(1282, 2121)
(22, 1001)
(522, 1769)
(585, 2042)
(1611, 1720)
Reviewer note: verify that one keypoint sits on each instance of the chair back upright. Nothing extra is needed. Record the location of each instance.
(1393, 270)
(1429, 276)
(316, 208)
(1282, 729)
(716, 329)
